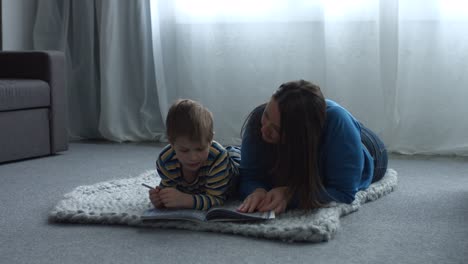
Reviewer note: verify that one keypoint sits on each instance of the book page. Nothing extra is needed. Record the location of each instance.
(171, 214)
(231, 214)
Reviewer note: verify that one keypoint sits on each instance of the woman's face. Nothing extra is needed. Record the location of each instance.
(271, 122)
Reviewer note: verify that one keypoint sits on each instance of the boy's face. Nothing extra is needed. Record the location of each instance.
(191, 154)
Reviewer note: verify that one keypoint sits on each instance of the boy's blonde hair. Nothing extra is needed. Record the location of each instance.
(188, 118)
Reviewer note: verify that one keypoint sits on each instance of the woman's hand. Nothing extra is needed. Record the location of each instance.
(173, 198)
(276, 200)
(252, 201)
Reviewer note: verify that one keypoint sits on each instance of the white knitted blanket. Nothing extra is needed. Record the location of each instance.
(123, 201)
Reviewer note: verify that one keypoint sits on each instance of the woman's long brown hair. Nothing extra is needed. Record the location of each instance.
(302, 109)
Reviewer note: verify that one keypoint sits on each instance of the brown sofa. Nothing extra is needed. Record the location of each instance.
(33, 104)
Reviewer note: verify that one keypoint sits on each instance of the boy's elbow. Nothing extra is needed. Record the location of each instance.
(221, 199)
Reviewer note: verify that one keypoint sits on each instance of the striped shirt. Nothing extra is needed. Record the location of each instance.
(213, 179)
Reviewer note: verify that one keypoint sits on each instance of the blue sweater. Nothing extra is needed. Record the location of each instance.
(345, 165)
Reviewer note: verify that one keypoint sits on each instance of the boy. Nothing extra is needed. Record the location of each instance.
(196, 172)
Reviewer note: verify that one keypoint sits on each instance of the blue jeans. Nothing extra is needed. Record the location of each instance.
(377, 149)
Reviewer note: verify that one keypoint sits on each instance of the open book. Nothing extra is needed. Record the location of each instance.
(215, 214)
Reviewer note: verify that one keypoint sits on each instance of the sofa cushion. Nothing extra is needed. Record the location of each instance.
(18, 94)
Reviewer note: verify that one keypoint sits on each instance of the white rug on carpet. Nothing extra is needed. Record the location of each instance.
(123, 201)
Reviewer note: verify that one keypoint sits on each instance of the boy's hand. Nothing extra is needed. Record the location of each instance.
(155, 198)
(275, 199)
(252, 201)
(173, 198)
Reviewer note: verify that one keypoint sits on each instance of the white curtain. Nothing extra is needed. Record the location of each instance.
(401, 67)
(111, 80)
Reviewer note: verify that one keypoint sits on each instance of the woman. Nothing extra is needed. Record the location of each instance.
(300, 150)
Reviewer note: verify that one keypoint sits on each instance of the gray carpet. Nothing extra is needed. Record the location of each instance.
(423, 221)
(123, 201)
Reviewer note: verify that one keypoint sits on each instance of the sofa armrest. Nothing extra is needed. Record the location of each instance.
(26, 64)
(50, 67)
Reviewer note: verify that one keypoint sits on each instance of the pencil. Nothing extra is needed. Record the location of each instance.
(147, 186)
